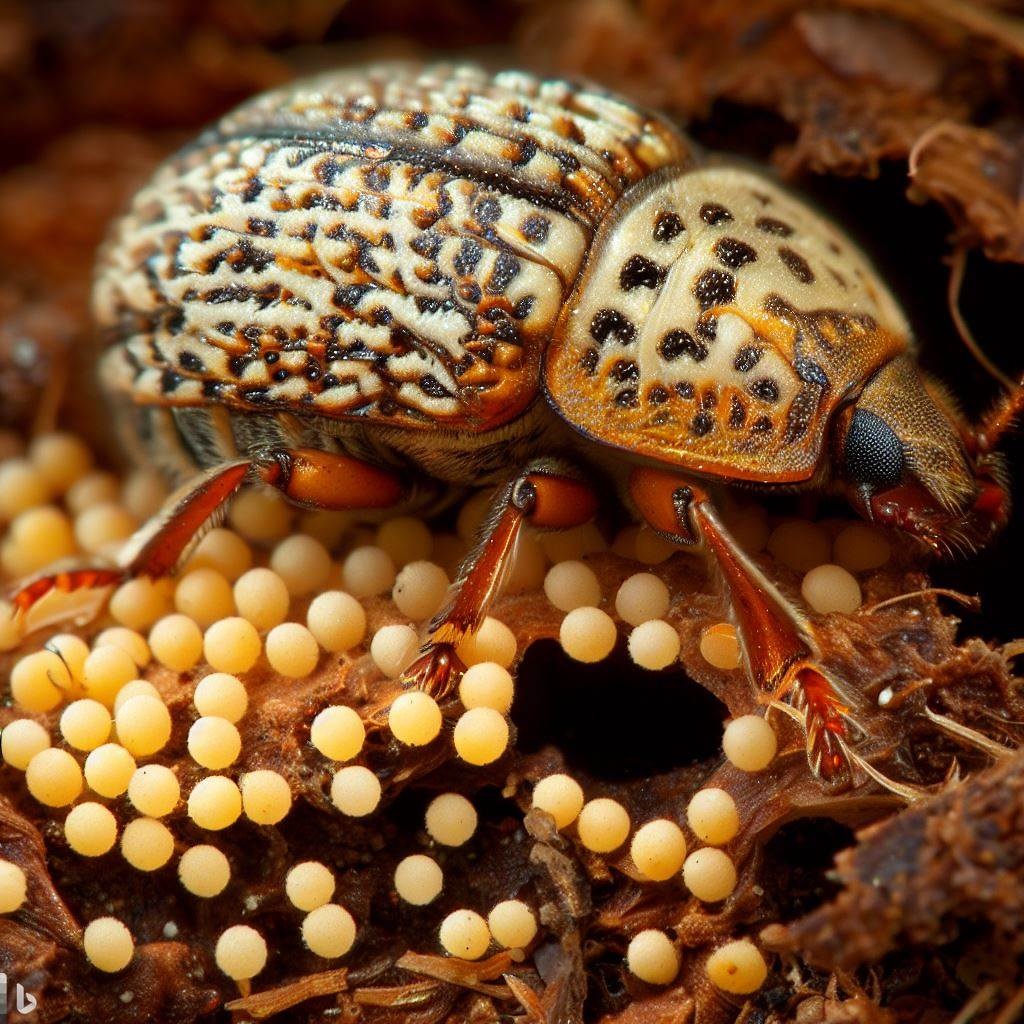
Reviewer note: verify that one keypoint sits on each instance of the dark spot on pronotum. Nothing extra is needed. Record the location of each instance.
(535, 228)
(762, 425)
(681, 343)
(610, 323)
(701, 424)
(431, 386)
(640, 272)
(626, 398)
(747, 358)
(625, 370)
(706, 328)
(796, 264)
(487, 210)
(191, 362)
(810, 372)
(737, 413)
(766, 389)
(714, 288)
(667, 226)
(773, 226)
(714, 214)
(506, 267)
(733, 253)
(657, 395)
(589, 361)
(684, 389)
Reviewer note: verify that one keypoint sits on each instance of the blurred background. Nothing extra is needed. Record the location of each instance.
(901, 117)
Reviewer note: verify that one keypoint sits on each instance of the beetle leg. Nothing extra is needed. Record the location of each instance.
(546, 496)
(306, 477)
(779, 649)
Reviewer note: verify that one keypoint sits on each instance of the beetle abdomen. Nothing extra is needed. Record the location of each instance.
(392, 245)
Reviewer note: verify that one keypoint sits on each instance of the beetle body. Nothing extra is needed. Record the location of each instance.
(373, 282)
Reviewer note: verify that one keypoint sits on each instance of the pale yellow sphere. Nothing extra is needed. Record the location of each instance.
(266, 796)
(561, 796)
(337, 620)
(800, 545)
(338, 733)
(214, 742)
(38, 537)
(143, 725)
(176, 642)
(327, 525)
(420, 589)
(106, 670)
(109, 769)
(720, 646)
(750, 743)
(329, 931)
(493, 641)
(102, 527)
(205, 596)
(641, 598)
(135, 688)
(95, 488)
(231, 645)
(393, 648)
(450, 551)
(108, 944)
(90, 829)
(13, 887)
(292, 650)
(859, 547)
(512, 924)
(260, 515)
(831, 588)
(54, 778)
(204, 871)
(215, 803)
(529, 564)
(414, 718)
(652, 548)
(241, 952)
(737, 967)
(750, 529)
(451, 819)
(603, 825)
(652, 958)
(139, 603)
(405, 539)
(418, 879)
(481, 735)
(262, 597)
(144, 493)
(658, 849)
(147, 844)
(154, 791)
(302, 562)
(12, 630)
(713, 816)
(654, 645)
(130, 641)
(21, 740)
(39, 681)
(368, 571)
(309, 885)
(464, 933)
(73, 651)
(221, 695)
(487, 685)
(588, 634)
(355, 791)
(224, 551)
(709, 874)
(573, 544)
(572, 584)
(471, 514)
(22, 487)
(62, 459)
(85, 724)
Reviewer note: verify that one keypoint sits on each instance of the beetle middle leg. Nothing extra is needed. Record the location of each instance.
(548, 495)
(778, 645)
(307, 477)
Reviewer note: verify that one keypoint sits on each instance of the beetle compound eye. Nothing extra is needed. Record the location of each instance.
(872, 454)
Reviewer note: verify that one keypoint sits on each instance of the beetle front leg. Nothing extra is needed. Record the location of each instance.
(307, 477)
(546, 495)
(779, 650)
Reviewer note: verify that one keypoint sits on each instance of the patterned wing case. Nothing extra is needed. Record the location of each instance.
(393, 245)
(717, 324)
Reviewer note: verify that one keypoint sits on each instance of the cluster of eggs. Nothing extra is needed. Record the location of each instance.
(224, 613)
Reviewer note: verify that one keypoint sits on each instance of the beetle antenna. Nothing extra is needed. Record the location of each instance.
(958, 267)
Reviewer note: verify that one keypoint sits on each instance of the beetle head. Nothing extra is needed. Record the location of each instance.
(908, 461)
